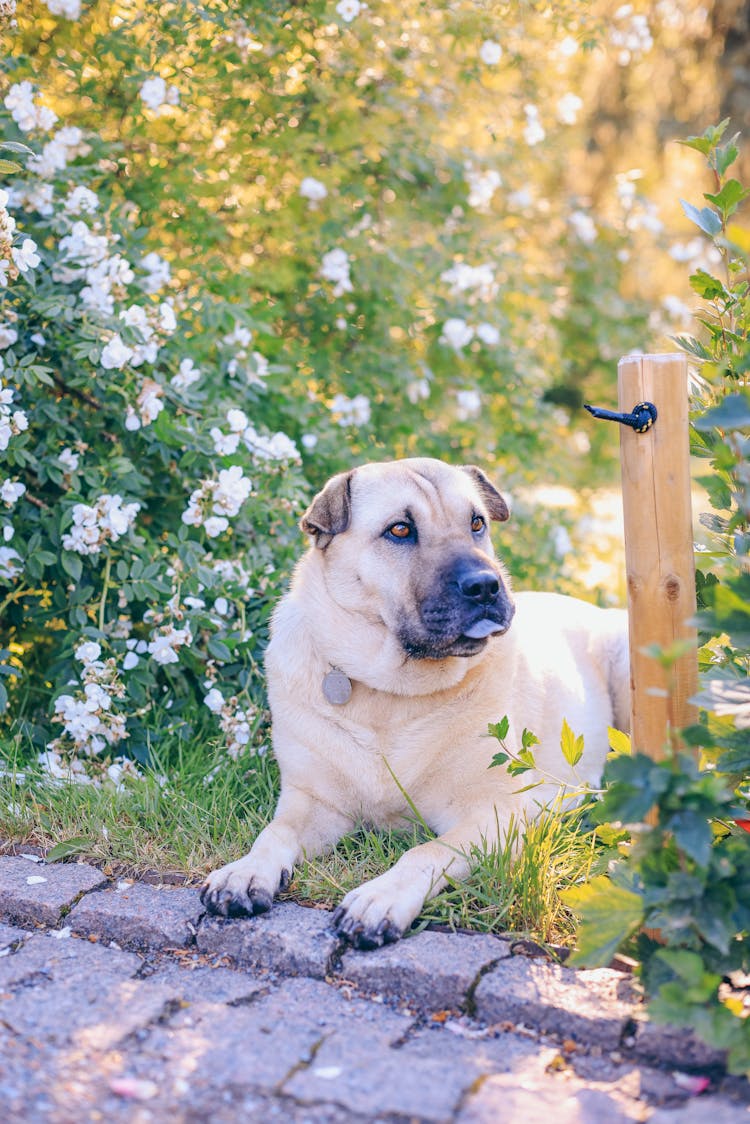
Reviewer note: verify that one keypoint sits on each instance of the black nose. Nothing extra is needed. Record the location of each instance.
(481, 586)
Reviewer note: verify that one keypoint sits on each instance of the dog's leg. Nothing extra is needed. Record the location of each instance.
(379, 911)
(302, 826)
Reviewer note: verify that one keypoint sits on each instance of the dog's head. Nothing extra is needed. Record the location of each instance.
(407, 544)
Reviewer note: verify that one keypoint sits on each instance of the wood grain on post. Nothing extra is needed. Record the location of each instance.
(659, 560)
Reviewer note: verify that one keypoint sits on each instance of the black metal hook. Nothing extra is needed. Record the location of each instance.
(640, 418)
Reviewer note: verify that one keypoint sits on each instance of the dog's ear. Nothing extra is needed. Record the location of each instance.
(330, 512)
(496, 505)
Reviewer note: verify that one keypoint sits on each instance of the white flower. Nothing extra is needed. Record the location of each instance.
(167, 318)
(469, 403)
(417, 390)
(476, 279)
(231, 491)
(488, 334)
(26, 256)
(225, 444)
(10, 563)
(215, 525)
(240, 336)
(24, 111)
(349, 9)
(69, 9)
(568, 108)
(81, 201)
(214, 700)
(334, 267)
(164, 644)
(237, 420)
(11, 491)
(158, 273)
(584, 226)
(312, 189)
(116, 354)
(309, 441)
(352, 411)
(456, 333)
(69, 460)
(277, 447)
(88, 652)
(534, 131)
(8, 336)
(130, 661)
(155, 94)
(482, 186)
(94, 525)
(4, 267)
(490, 52)
(187, 374)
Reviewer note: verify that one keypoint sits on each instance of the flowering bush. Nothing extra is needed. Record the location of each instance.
(275, 247)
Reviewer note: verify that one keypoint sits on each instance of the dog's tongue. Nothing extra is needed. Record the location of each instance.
(480, 629)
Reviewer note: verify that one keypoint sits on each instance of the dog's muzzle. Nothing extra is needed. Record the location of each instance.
(469, 604)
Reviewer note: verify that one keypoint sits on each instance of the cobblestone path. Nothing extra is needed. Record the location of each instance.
(123, 1002)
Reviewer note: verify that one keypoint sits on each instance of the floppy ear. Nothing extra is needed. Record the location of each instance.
(496, 505)
(330, 512)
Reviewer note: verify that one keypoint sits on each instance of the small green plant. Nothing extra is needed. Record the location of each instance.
(684, 870)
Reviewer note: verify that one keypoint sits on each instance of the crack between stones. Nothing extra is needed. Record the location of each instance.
(303, 1064)
(469, 1004)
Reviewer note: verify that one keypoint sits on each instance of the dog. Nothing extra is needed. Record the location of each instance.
(397, 643)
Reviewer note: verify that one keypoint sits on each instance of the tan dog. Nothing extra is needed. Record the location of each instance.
(388, 658)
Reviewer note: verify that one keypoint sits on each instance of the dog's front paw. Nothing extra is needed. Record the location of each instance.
(359, 934)
(379, 911)
(237, 890)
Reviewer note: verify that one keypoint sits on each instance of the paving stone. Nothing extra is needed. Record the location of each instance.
(431, 971)
(360, 1074)
(676, 1046)
(540, 1098)
(289, 939)
(95, 1011)
(139, 916)
(10, 935)
(703, 1110)
(44, 959)
(27, 903)
(590, 1006)
(209, 985)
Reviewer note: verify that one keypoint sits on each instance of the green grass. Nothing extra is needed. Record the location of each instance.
(187, 826)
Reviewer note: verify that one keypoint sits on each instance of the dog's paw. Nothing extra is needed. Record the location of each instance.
(379, 911)
(358, 934)
(236, 890)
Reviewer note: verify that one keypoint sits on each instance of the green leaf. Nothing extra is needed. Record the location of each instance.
(71, 564)
(726, 156)
(528, 739)
(498, 759)
(219, 650)
(68, 847)
(706, 286)
(704, 217)
(729, 198)
(609, 914)
(523, 763)
(9, 167)
(572, 746)
(733, 412)
(499, 729)
(16, 146)
(619, 742)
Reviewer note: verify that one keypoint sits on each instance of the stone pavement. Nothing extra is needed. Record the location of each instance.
(124, 1002)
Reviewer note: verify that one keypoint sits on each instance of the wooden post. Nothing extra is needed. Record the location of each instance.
(658, 548)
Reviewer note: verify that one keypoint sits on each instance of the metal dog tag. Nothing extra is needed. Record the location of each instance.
(337, 687)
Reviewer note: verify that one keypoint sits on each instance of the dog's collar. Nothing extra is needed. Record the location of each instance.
(337, 687)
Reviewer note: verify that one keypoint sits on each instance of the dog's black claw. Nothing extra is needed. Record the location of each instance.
(367, 940)
(285, 879)
(260, 901)
(391, 933)
(338, 913)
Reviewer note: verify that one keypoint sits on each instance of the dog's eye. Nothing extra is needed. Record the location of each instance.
(400, 531)
(478, 524)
